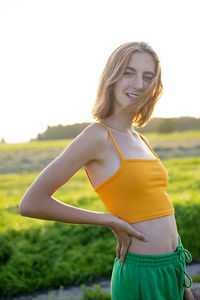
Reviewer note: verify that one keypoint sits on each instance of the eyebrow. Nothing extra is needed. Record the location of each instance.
(132, 69)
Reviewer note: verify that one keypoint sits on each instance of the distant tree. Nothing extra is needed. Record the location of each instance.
(188, 123)
(39, 137)
(167, 125)
(2, 141)
(62, 131)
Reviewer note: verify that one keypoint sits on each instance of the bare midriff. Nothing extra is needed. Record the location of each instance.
(162, 233)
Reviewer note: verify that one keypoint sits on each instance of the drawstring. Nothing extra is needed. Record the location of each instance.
(185, 255)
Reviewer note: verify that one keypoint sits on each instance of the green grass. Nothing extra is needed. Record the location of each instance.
(184, 179)
(39, 145)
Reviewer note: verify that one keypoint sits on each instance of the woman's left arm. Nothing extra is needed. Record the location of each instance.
(187, 292)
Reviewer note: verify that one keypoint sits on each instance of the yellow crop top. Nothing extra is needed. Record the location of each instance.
(137, 190)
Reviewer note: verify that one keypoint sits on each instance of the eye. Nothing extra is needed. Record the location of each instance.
(148, 78)
(128, 73)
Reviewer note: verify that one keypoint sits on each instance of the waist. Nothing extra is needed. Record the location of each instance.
(163, 236)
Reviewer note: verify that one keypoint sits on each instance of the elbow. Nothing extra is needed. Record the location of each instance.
(23, 209)
(32, 205)
(26, 206)
(23, 212)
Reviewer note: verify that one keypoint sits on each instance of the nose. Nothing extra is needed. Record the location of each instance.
(138, 82)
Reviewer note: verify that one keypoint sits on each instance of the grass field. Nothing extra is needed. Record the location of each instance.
(74, 253)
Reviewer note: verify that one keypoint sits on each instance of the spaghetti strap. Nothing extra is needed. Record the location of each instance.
(120, 154)
(142, 137)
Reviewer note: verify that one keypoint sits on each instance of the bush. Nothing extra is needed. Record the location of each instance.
(53, 255)
(96, 294)
(188, 224)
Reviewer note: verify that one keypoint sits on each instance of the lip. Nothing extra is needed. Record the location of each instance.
(131, 95)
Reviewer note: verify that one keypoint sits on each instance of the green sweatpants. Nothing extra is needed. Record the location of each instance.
(151, 277)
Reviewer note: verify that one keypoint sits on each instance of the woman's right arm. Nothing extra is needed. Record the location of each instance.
(38, 202)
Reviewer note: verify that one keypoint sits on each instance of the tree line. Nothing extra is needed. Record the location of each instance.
(160, 125)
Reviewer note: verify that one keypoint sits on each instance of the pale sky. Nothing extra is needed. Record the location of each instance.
(52, 53)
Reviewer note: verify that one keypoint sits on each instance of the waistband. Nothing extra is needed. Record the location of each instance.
(181, 255)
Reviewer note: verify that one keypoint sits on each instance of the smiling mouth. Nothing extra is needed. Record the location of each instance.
(131, 95)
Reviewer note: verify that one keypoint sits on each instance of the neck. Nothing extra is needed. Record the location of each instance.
(120, 123)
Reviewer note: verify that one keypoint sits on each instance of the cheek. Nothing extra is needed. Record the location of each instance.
(146, 85)
(117, 88)
(117, 91)
(123, 84)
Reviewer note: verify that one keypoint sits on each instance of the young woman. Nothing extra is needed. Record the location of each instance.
(129, 178)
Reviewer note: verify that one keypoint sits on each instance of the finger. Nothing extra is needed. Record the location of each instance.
(118, 249)
(140, 236)
(123, 254)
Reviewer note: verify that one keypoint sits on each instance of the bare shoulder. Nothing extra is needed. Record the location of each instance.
(95, 133)
(95, 137)
(86, 146)
(89, 143)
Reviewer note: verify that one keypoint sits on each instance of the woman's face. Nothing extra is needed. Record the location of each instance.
(136, 79)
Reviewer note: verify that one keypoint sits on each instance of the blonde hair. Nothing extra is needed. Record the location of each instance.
(113, 71)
